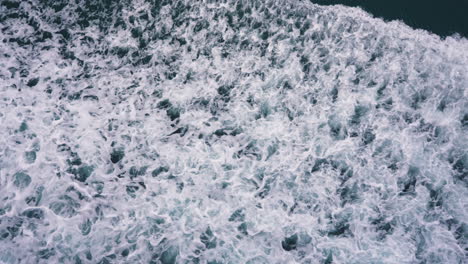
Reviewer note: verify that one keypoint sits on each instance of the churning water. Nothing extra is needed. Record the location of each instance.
(228, 132)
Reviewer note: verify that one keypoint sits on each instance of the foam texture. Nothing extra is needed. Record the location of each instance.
(228, 132)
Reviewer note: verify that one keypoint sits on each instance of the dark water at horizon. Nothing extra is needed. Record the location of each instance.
(443, 18)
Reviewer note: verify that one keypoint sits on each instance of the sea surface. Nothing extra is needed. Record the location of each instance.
(256, 132)
(444, 18)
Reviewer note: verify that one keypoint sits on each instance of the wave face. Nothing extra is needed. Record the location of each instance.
(228, 132)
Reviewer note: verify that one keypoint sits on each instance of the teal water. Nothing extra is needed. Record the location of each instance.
(444, 18)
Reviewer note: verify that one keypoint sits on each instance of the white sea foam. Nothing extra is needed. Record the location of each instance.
(197, 132)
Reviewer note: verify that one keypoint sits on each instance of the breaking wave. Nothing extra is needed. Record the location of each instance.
(229, 132)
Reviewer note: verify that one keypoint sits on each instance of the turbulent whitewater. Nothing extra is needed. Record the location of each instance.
(229, 132)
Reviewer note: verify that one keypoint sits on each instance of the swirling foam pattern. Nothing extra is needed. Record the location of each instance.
(228, 132)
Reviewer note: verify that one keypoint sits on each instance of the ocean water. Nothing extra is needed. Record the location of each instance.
(229, 132)
(444, 18)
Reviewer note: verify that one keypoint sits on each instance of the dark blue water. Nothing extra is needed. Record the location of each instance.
(444, 18)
